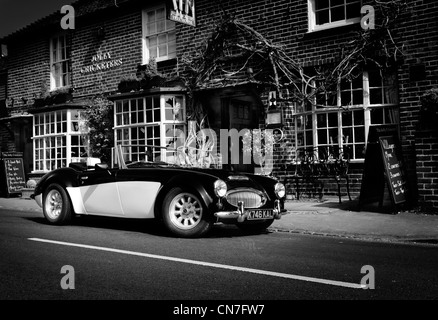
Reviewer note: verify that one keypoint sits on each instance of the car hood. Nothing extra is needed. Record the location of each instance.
(238, 179)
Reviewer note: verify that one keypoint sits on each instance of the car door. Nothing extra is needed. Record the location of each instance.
(138, 188)
(99, 193)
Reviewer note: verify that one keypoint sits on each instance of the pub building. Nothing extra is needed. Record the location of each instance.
(322, 76)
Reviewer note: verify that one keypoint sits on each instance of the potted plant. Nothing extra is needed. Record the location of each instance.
(42, 97)
(61, 95)
(149, 75)
(128, 84)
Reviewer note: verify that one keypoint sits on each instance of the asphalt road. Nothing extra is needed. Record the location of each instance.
(134, 259)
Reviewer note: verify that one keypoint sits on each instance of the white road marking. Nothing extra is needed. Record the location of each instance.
(207, 264)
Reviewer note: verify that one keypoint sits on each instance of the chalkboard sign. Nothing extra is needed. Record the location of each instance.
(373, 178)
(394, 168)
(14, 174)
(383, 165)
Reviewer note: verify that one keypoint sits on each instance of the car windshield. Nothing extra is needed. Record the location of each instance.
(131, 156)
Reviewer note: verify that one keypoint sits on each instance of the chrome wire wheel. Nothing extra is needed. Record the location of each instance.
(185, 211)
(54, 204)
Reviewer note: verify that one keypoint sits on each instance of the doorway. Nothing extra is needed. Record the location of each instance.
(239, 113)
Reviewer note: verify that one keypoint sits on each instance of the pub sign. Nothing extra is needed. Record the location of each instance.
(182, 11)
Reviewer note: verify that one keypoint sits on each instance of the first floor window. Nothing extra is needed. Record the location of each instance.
(159, 35)
(149, 125)
(338, 124)
(60, 56)
(333, 13)
(59, 138)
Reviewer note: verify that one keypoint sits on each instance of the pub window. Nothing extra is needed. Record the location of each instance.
(59, 138)
(333, 13)
(159, 35)
(60, 62)
(338, 122)
(149, 122)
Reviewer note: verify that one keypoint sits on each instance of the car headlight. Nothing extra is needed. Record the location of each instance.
(220, 188)
(280, 190)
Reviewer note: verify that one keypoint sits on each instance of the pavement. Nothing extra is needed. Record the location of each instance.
(328, 217)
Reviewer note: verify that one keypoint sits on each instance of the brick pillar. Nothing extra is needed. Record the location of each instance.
(426, 143)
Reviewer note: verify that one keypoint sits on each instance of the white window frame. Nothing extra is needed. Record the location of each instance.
(335, 24)
(146, 56)
(366, 107)
(128, 153)
(53, 74)
(68, 134)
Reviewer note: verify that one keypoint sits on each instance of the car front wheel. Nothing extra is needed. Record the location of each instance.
(56, 205)
(184, 214)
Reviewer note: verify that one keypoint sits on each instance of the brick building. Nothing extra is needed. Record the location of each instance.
(334, 77)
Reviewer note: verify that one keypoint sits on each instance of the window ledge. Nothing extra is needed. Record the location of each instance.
(333, 30)
(148, 92)
(63, 89)
(167, 62)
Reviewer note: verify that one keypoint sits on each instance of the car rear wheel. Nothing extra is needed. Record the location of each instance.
(255, 227)
(56, 205)
(184, 214)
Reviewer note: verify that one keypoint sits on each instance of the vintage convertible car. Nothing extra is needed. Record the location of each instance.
(188, 200)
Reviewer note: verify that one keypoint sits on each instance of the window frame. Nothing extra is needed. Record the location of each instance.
(307, 115)
(313, 27)
(145, 34)
(161, 124)
(39, 138)
(68, 73)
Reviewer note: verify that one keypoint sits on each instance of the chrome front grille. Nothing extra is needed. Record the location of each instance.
(250, 199)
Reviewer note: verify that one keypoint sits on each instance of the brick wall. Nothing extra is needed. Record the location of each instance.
(426, 145)
(287, 23)
(28, 70)
(29, 59)
(283, 23)
(418, 33)
(122, 40)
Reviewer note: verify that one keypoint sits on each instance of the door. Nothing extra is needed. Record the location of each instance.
(138, 189)
(239, 114)
(99, 193)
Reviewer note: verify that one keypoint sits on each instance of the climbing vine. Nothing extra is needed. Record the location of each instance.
(236, 53)
(100, 121)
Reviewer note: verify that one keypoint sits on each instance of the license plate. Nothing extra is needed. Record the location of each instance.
(260, 214)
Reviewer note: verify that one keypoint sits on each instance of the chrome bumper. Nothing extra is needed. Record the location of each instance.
(242, 215)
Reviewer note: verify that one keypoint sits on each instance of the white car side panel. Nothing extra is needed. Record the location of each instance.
(122, 199)
(138, 198)
(76, 199)
(39, 200)
(102, 199)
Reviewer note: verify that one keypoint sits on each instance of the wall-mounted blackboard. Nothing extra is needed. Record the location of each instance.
(14, 174)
